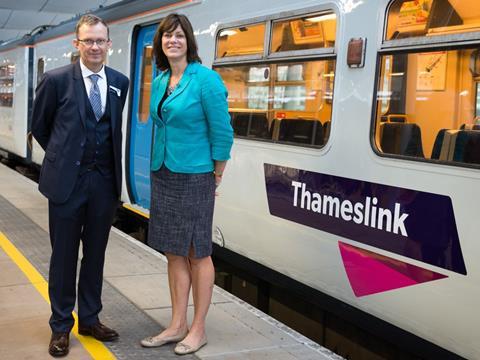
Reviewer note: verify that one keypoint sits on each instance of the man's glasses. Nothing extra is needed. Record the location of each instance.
(90, 42)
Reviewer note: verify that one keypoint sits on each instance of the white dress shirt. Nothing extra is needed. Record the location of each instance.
(102, 82)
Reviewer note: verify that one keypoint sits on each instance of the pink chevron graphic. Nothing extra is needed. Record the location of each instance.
(370, 273)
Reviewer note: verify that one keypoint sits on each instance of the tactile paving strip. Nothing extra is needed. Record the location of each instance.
(118, 312)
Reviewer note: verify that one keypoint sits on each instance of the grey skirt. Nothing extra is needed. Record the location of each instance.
(181, 212)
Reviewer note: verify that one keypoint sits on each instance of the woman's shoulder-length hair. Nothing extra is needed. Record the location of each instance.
(169, 24)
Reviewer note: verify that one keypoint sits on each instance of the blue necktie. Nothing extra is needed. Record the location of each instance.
(94, 97)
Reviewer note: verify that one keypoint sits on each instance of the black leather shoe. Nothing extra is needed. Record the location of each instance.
(99, 332)
(59, 344)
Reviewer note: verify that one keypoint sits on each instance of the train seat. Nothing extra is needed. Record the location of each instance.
(470, 127)
(301, 131)
(472, 148)
(457, 145)
(259, 127)
(240, 123)
(444, 146)
(467, 147)
(401, 139)
(250, 124)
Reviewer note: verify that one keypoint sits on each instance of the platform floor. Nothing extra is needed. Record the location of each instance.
(135, 297)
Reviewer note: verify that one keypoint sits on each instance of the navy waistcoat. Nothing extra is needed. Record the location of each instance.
(98, 152)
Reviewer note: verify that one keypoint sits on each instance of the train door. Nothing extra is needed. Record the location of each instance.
(141, 125)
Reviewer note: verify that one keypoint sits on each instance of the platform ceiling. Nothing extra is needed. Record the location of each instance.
(19, 17)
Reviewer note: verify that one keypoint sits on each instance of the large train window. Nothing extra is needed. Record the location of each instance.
(427, 97)
(146, 84)
(7, 75)
(303, 33)
(410, 18)
(242, 40)
(285, 95)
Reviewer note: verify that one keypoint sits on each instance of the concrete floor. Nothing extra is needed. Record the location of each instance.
(135, 277)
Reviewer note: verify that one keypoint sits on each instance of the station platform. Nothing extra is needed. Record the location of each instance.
(136, 300)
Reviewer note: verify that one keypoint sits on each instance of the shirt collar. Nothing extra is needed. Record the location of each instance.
(86, 72)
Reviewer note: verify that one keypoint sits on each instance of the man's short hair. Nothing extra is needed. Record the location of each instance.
(90, 19)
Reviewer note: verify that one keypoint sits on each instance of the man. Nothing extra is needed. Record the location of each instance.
(76, 118)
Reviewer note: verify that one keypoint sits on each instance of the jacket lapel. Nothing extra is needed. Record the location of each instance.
(80, 90)
(162, 87)
(183, 84)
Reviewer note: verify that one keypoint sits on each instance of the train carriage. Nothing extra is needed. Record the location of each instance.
(357, 143)
(15, 96)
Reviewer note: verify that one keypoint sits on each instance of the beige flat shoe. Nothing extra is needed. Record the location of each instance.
(152, 341)
(184, 349)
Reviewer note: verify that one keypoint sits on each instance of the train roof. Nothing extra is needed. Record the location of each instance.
(110, 14)
(24, 41)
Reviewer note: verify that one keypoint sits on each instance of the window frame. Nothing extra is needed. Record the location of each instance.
(238, 24)
(407, 46)
(268, 21)
(424, 40)
(13, 78)
(267, 58)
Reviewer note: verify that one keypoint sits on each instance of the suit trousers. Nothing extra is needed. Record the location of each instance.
(87, 215)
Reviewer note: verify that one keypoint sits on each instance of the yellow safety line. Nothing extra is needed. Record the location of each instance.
(136, 211)
(95, 348)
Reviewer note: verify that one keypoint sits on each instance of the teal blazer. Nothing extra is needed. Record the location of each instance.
(194, 129)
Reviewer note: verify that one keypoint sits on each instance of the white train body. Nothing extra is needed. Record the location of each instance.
(443, 311)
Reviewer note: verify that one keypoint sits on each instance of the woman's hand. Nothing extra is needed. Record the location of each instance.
(218, 179)
(218, 172)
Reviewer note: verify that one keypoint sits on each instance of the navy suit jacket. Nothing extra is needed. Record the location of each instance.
(59, 126)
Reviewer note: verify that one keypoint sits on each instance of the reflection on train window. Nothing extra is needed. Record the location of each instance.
(410, 18)
(74, 57)
(7, 84)
(282, 102)
(40, 69)
(302, 33)
(145, 84)
(243, 40)
(427, 103)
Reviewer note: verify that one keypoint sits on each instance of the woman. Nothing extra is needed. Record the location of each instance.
(191, 147)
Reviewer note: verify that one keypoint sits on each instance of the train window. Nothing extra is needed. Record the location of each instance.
(243, 40)
(284, 93)
(7, 84)
(477, 112)
(281, 102)
(303, 33)
(411, 18)
(426, 105)
(145, 84)
(40, 69)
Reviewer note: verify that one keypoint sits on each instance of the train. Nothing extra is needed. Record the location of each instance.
(356, 161)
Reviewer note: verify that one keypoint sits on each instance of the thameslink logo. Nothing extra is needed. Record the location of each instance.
(365, 213)
(414, 224)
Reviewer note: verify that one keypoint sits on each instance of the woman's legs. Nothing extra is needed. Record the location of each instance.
(203, 276)
(179, 281)
(182, 273)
